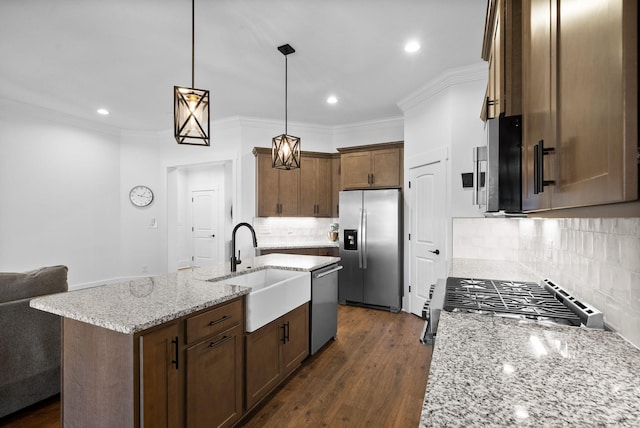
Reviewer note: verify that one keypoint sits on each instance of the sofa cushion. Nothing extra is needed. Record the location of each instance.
(46, 280)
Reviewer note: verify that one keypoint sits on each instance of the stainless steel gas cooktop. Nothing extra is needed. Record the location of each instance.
(546, 302)
(499, 297)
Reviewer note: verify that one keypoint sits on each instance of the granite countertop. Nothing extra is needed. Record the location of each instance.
(291, 245)
(139, 304)
(492, 371)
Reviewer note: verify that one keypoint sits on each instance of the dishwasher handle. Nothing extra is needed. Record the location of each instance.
(327, 272)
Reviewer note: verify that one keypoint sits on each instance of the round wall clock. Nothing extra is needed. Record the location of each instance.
(141, 196)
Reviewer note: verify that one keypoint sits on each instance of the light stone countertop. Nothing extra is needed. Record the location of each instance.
(288, 245)
(497, 372)
(139, 304)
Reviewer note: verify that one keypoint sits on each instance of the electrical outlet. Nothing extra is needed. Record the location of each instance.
(145, 269)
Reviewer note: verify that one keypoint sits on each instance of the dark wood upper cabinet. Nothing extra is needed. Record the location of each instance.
(376, 166)
(579, 103)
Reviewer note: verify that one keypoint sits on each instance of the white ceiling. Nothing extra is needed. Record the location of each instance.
(75, 56)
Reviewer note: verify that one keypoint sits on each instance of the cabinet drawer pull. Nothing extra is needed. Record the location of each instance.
(224, 318)
(219, 341)
(285, 332)
(175, 358)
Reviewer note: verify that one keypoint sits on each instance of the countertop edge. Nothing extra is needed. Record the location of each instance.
(132, 329)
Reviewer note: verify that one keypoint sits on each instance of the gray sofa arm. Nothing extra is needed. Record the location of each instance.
(29, 339)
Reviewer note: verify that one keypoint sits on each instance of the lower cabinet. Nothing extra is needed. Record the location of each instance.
(187, 372)
(274, 351)
(214, 380)
(159, 377)
(193, 372)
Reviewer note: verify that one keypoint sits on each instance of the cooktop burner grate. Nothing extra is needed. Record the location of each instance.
(499, 297)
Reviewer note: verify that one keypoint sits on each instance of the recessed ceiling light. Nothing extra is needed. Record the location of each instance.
(103, 111)
(332, 99)
(412, 47)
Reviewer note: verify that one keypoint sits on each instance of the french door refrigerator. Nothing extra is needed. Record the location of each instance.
(371, 248)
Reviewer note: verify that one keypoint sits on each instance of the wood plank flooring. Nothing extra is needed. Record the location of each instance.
(373, 375)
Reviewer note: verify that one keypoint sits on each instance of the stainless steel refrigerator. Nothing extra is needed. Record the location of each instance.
(371, 248)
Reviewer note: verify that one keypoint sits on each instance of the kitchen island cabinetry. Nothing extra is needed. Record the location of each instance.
(167, 350)
(580, 136)
(160, 383)
(274, 351)
(131, 380)
(371, 167)
(214, 374)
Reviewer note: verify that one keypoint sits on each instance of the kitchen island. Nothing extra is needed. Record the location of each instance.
(492, 371)
(141, 303)
(159, 351)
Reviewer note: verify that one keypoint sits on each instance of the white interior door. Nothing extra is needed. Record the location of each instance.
(428, 227)
(205, 227)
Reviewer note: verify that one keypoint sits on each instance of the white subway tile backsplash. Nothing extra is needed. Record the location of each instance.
(597, 259)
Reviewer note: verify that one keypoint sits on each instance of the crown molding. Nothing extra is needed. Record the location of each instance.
(452, 77)
(386, 122)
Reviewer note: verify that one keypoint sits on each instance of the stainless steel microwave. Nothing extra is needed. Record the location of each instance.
(498, 166)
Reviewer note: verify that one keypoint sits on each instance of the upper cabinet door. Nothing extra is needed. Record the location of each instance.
(385, 168)
(376, 166)
(580, 106)
(597, 102)
(355, 170)
(538, 100)
(502, 49)
(315, 193)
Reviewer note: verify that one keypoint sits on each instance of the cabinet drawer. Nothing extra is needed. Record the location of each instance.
(214, 321)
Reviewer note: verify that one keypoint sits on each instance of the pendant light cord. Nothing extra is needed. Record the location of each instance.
(285, 94)
(193, 43)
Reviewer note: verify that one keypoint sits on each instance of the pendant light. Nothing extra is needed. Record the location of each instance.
(285, 148)
(191, 106)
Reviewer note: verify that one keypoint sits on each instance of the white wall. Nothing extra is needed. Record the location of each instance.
(159, 161)
(370, 132)
(467, 132)
(59, 194)
(445, 114)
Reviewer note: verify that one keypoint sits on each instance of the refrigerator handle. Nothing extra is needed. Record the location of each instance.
(360, 240)
(364, 239)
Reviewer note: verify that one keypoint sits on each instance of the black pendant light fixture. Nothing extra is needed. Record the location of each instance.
(191, 106)
(285, 148)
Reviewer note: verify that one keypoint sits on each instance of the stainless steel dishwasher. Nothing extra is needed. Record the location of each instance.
(324, 306)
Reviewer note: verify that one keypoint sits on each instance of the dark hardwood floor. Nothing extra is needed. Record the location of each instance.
(373, 375)
(45, 414)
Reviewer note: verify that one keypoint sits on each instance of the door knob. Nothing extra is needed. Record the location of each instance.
(436, 252)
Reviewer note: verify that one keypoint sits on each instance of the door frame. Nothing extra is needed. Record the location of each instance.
(440, 154)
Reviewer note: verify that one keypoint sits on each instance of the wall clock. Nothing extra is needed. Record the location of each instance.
(141, 196)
